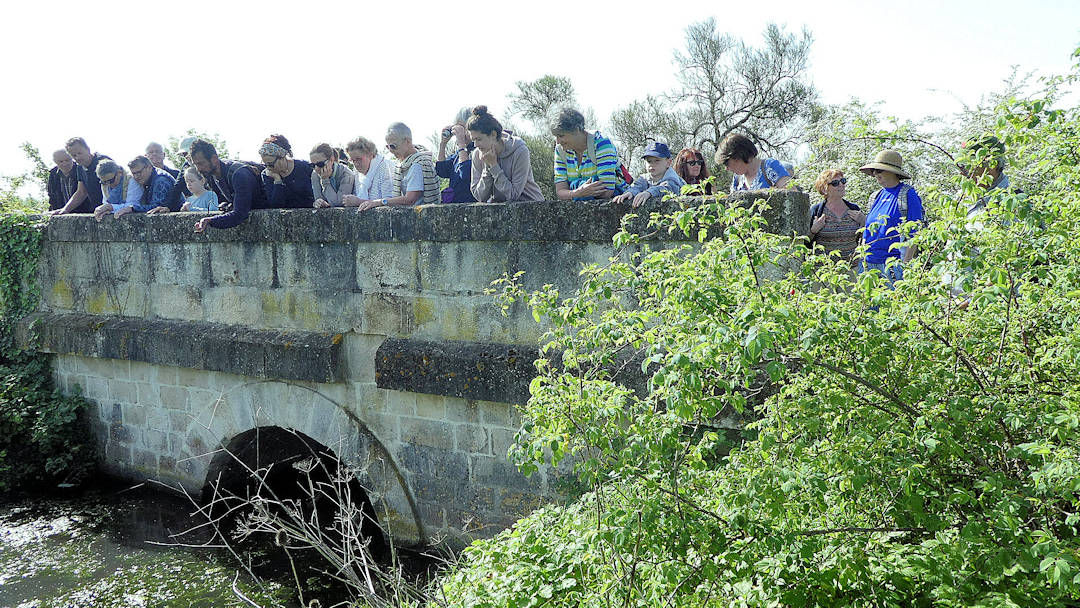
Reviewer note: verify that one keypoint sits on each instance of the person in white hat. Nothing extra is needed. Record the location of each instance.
(894, 204)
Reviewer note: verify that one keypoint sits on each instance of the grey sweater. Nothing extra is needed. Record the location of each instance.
(324, 189)
(509, 179)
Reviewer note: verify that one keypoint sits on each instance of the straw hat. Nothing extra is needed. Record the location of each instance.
(887, 160)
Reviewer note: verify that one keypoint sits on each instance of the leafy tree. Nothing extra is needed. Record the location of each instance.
(907, 448)
(726, 85)
(536, 100)
(172, 151)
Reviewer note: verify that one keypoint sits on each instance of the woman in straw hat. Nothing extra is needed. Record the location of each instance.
(888, 209)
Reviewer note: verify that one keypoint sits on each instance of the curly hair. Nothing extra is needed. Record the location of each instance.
(821, 184)
(362, 145)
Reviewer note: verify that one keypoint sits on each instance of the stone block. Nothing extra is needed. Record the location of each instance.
(360, 352)
(431, 433)
(381, 266)
(495, 413)
(134, 415)
(97, 388)
(182, 302)
(173, 398)
(178, 263)
(401, 403)
(391, 314)
(232, 305)
(501, 440)
(473, 439)
(156, 441)
(317, 266)
(465, 266)
(157, 419)
(247, 264)
(496, 471)
(462, 410)
(178, 423)
(430, 406)
(123, 391)
(145, 461)
(118, 454)
(120, 433)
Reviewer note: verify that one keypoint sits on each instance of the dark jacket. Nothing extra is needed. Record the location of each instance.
(61, 187)
(239, 186)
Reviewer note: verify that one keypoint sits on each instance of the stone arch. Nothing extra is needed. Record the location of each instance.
(280, 463)
(322, 416)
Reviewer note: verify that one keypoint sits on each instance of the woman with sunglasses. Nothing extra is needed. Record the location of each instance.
(286, 181)
(835, 224)
(690, 165)
(119, 190)
(330, 180)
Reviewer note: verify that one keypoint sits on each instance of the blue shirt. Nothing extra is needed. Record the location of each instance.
(207, 201)
(883, 221)
(294, 191)
(769, 172)
(459, 172)
(155, 192)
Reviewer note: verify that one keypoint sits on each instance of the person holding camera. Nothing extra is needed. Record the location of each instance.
(458, 167)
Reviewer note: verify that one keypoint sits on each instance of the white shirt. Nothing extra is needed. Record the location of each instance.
(376, 183)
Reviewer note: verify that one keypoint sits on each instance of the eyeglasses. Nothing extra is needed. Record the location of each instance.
(694, 163)
(836, 182)
(320, 164)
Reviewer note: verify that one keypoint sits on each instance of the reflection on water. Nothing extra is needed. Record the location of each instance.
(96, 548)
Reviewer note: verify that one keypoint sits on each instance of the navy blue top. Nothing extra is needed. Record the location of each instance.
(294, 191)
(90, 181)
(239, 186)
(460, 175)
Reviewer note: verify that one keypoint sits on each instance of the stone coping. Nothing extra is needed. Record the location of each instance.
(589, 221)
(291, 355)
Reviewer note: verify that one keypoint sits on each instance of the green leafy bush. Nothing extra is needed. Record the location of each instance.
(42, 439)
(908, 448)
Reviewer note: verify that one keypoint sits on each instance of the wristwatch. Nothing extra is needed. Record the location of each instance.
(384, 203)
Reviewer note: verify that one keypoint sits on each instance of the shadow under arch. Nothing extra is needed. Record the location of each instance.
(284, 465)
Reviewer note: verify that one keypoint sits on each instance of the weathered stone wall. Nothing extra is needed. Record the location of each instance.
(370, 333)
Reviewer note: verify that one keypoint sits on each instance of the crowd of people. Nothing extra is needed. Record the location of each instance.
(483, 162)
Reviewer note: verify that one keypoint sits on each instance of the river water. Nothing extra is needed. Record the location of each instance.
(97, 546)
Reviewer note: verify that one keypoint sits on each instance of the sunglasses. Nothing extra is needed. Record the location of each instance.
(320, 164)
(112, 181)
(836, 182)
(694, 163)
(391, 147)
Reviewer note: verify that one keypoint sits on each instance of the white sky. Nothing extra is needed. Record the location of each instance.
(321, 70)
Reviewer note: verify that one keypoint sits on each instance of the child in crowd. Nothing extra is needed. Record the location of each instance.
(660, 177)
(201, 199)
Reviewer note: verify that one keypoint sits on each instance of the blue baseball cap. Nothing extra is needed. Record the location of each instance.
(657, 149)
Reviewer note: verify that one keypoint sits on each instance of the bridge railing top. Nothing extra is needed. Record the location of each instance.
(518, 221)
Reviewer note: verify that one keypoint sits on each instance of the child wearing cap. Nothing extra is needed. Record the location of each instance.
(891, 206)
(658, 179)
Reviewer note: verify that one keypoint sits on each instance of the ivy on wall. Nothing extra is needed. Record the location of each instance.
(42, 439)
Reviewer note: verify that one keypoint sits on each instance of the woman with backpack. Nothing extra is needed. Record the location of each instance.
(586, 163)
(835, 224)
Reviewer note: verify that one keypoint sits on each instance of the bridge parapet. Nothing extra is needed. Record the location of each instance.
(369, 333)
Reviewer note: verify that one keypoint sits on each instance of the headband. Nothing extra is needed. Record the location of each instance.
(272, 149)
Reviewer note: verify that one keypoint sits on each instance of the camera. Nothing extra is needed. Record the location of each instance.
(446, 133)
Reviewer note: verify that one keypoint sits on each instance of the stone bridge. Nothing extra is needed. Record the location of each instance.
(368, 334)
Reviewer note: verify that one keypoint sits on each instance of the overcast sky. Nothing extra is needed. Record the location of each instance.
(123, 73)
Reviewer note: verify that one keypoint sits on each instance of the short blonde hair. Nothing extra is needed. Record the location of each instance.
(822, 182)
(362, 145)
